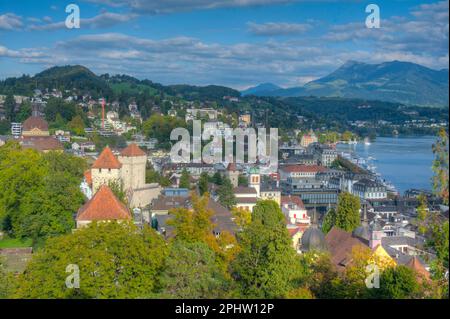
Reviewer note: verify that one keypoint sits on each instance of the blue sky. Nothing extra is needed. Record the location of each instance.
(237, 43)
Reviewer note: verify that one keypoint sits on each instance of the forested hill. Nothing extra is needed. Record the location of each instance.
(84, 81)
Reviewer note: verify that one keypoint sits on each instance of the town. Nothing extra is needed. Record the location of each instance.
(332, 204)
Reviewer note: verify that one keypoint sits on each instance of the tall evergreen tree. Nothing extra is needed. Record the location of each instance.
(226, 194)
(267, 266)
(185, 179)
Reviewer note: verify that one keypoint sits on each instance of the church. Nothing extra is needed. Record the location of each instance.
(126, 170)
(35, 135)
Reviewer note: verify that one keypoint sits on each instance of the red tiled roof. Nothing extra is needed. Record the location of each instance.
(340, 244)
(103, 206)
(35, 122)
(88, 176)
(292, 199)
(132, 150)
(107, 160)
(232, 167)
(293, 231)
(42, 143)
(304, 168)
(415, 264)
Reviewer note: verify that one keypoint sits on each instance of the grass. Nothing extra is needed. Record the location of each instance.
(15, 243)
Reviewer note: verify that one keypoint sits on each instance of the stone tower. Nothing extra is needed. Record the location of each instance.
(254, 180)
(134, 161)
(105, 170)
(233, 174)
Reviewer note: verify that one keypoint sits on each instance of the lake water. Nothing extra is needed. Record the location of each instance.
(404, 161)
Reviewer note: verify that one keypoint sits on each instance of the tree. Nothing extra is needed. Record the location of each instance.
(226, 194)
(152, 176)
(115, 260)
(242, 217)
(55, 106)
(329, 220)
(397, 283)
(76, 125)
(203, 183)
(117, 189)
(440, 165)
(10, 108)
(24, 111)
(217, 178)
(318, 274)
(180, 281)
(267, 265)
(422, 213)
(242, 180)
(7, 281)
(39, 193)
(347, 215)
(195, 225)
(185, 179)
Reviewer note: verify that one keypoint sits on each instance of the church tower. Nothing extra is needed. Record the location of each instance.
(254, 180)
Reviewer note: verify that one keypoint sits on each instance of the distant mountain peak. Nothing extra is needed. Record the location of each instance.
(261, 89)
(391, 81)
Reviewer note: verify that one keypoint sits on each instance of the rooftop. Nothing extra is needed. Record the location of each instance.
(103, 206)
(107, 160)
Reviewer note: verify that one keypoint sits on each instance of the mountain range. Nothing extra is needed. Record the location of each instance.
(400, 82)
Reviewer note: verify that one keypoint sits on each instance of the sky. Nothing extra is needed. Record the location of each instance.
(236, 43)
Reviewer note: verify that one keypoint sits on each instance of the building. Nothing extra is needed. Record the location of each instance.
(246, 197)
(294, 210)
(104, 206)
(300, 171)
(35, 135)
(308, 139)
(232, 174)
(367, 189)
(16, 129)
(127, 171)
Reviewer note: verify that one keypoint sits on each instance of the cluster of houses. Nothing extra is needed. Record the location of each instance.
(305, 187)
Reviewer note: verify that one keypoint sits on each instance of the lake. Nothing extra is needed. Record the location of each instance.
(404, 161)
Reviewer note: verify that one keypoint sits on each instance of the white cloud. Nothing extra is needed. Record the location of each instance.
(170, 6)
(102, 20)
(10, 21)
(277, 28)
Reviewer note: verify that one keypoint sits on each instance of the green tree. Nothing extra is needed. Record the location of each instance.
(226, 194)
(203, 183)
(24, 111)
(267, 265)
(329, 220)
(38, 193)
(10, 108)
(76, 125)
(422, 210)
(242, 180)
(440, 165)
(185, 179)
(117, 189)
(7, 281)
(115, 260)
(397, 283)
(347, 214)
(217, 178)
(180, 281)
(152, 176)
